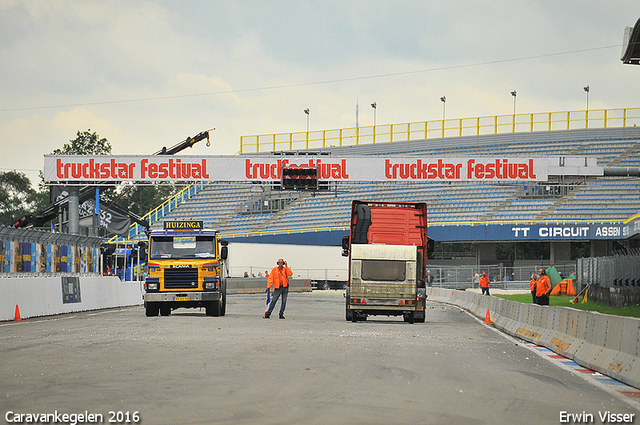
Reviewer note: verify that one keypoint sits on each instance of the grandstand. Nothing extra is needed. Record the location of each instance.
(227, 206)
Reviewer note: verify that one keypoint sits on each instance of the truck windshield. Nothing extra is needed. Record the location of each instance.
(383, 270)
(182, 247)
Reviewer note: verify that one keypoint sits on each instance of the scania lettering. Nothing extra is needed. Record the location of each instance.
(185, 270)
(388, 249)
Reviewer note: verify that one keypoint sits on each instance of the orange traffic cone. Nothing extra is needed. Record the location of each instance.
(17, 318)
(487, 318)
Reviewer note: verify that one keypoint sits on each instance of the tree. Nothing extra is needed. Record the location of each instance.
(17, 197)
(85, 143)
(143, 198)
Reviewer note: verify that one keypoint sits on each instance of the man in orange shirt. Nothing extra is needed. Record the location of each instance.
(279, 279)
(484, 283)
(532, 287)
(543, 288)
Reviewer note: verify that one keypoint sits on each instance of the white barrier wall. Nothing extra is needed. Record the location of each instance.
(43, 296)
(605, 343)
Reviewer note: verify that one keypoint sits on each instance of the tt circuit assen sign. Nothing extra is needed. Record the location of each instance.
(244, 168)
(533, 232)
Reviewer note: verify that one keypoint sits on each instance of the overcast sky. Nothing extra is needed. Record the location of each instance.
(147, 74)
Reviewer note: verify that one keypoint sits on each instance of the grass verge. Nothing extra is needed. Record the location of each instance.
(559, 301)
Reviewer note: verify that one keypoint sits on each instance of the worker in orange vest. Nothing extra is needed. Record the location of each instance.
(484, 283)
(279, 279)
(532, 287)
(543, 288)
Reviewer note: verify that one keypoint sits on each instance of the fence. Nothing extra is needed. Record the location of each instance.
(501, 277)
(609, 272)
(31, 252)
(458, 127)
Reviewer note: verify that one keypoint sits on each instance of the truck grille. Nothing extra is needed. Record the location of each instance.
(181, 278)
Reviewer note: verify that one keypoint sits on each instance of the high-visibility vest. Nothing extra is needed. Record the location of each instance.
(279, 278)
(484, 281)
(543, 285)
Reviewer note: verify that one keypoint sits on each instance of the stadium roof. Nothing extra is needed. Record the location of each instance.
(631, 45)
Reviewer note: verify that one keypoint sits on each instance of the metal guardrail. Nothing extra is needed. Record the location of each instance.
(454, 127)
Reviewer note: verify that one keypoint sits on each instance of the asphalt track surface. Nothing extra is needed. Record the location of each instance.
(311, 368)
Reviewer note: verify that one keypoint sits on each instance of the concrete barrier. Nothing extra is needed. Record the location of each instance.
(605, 343)
(43, 296)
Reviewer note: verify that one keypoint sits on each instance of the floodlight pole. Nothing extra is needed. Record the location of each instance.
(515, 95)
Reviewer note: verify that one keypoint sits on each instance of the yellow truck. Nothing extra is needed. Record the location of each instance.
(186, 264)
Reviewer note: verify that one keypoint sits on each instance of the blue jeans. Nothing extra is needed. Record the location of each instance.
(284, 291)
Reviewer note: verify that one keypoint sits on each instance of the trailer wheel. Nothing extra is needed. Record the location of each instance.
(151, 310)
(354, 316)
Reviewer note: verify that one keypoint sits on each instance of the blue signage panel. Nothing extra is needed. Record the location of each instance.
(632, 227)
(523, 232)
(465, 233)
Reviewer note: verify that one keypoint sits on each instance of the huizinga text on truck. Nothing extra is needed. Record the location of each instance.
(185, 270)
(388, 250)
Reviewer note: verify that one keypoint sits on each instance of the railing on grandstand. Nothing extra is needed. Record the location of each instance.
(162, 210)
(458, 127)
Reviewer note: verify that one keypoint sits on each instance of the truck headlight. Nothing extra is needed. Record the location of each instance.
(211, 282)
(152, 286)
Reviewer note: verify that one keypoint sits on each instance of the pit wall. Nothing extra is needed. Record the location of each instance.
(604, 343)
(44, 296)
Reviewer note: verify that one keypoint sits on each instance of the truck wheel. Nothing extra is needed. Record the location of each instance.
(151, 310)
(223, 306)
(223, 301)
(348, 313)
(165, 310)
(213, 309)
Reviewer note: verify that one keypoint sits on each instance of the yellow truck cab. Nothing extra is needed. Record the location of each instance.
(185, 269)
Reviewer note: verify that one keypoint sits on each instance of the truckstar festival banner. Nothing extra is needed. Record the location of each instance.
(245, 168)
